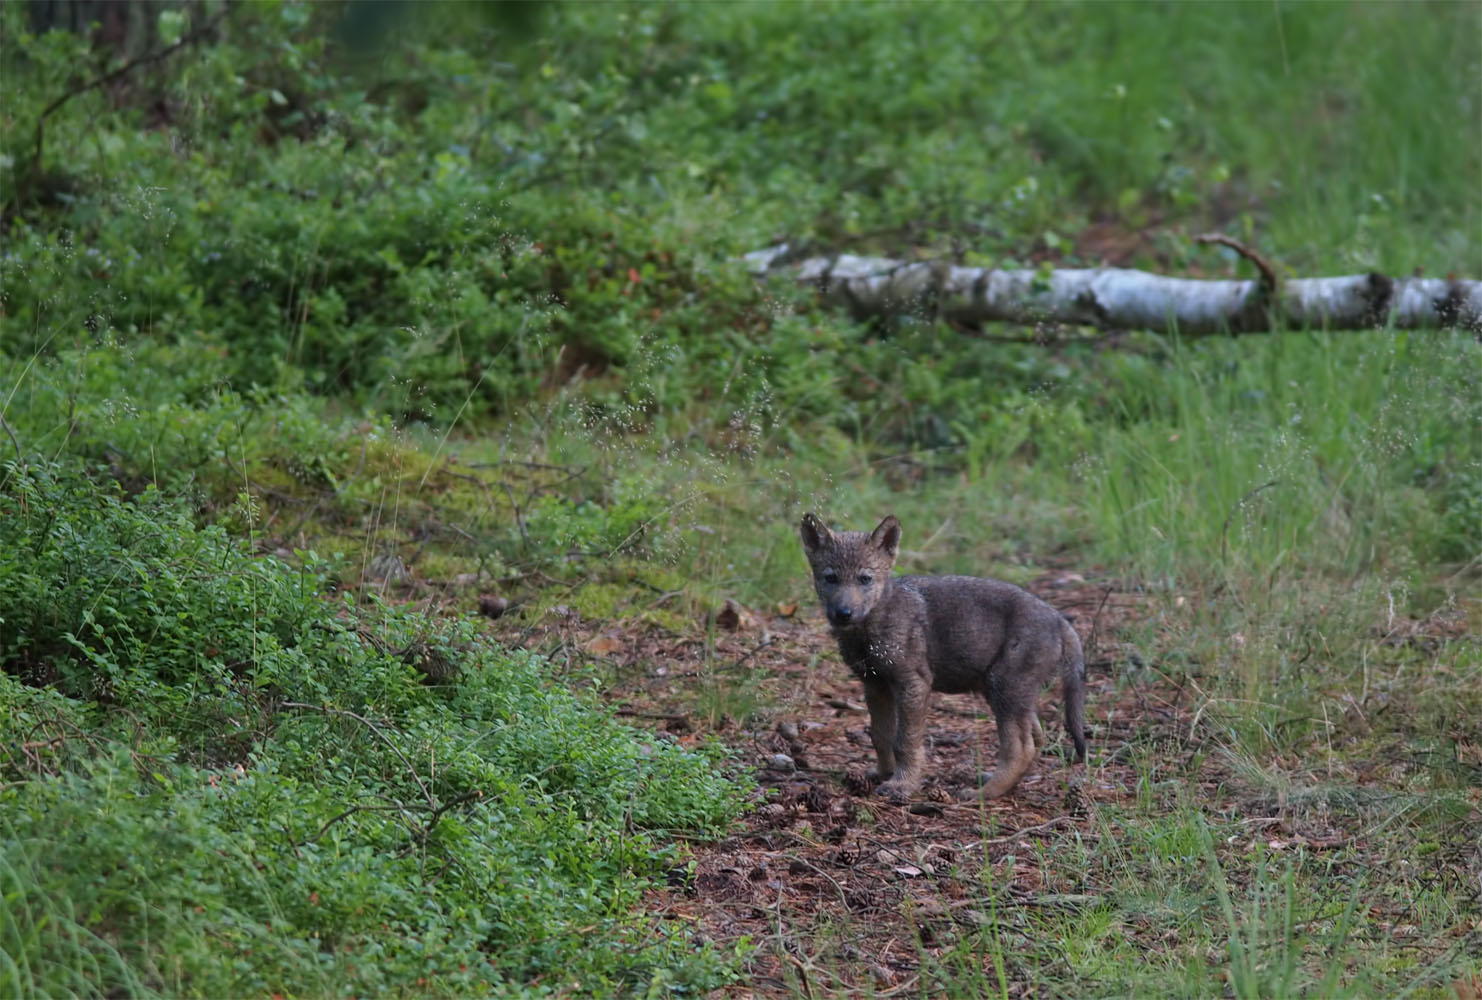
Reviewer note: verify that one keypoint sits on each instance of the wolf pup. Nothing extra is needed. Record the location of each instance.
(908, 636)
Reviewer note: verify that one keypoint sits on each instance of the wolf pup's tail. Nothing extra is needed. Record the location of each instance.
(1073, 676)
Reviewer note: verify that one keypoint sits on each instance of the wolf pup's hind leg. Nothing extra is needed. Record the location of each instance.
(1015, 753)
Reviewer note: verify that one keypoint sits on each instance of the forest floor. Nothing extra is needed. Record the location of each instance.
(845, 892)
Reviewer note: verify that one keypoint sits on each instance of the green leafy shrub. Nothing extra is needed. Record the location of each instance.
(164, 413)
(244, 791)
(629, 520)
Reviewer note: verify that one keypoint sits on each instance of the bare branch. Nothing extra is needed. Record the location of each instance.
(20, 454)
(1267, 269)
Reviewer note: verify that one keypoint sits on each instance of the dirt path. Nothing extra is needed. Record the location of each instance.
(842, 889)
(844, 892)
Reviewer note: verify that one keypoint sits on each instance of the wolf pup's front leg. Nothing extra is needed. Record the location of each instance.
(881, 702)
(909, 741)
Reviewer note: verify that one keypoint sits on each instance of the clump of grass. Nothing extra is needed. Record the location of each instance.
(1333, 454)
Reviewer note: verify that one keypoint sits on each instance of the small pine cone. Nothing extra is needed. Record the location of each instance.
(857, 781)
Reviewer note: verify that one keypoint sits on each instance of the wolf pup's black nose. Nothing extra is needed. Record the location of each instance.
(842, 615)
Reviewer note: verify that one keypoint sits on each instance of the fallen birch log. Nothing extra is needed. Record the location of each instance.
(1124, 299)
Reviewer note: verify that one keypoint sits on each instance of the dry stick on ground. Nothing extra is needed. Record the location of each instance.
(1126, 299)
(546, 466)
(519, 518)
(456, 800)
(1095, 623)
(28, 745)
(741, 661)
(397, 808)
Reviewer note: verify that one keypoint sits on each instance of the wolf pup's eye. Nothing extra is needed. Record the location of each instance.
(829, 576)
(865, 579)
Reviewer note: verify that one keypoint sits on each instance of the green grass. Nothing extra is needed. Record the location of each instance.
(473, 302)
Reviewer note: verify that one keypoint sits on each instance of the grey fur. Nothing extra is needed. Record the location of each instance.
(907, 636)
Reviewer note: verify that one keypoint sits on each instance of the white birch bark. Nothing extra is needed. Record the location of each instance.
(1123, 299)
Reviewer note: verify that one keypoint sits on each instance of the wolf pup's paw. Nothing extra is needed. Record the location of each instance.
(877, 775)
(991, 786)
(897, 790)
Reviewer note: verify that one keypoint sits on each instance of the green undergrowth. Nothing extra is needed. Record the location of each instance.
(218, 783)
(1333, 454)
(280, 311)
(432, 232)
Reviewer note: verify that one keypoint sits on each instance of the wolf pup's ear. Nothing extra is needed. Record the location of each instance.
(815, 533)
(887, 536)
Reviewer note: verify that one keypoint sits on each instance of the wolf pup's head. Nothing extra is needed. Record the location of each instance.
(850, 568)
